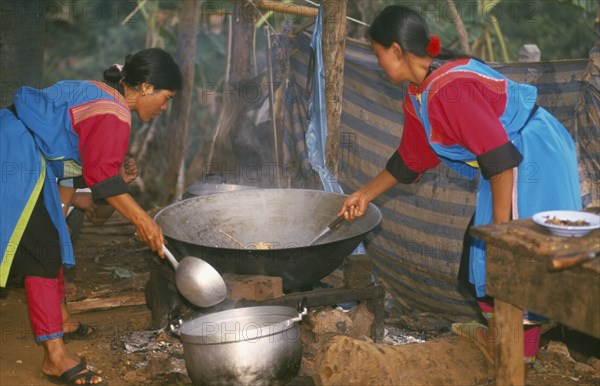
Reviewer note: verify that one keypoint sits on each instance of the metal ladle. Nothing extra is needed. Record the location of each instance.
(197, 280)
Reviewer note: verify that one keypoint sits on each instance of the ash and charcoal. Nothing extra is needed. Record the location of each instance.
(151, 355)
(396, 336)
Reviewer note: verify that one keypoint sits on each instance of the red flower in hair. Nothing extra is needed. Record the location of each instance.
(435, 46)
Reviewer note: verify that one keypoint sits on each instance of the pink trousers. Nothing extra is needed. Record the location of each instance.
(44, 298)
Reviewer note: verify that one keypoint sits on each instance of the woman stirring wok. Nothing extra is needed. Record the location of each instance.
(75, 130)
(461, 112)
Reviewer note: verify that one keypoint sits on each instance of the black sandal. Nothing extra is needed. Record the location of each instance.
(84, 331)
(75, 373)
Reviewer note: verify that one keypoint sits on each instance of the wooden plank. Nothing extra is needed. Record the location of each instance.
(106, 303)
(525, 234)
(522, 278)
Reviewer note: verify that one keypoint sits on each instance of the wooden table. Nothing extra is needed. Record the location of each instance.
(518, 276)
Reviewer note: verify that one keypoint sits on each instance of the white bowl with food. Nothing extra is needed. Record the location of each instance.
(569, 223)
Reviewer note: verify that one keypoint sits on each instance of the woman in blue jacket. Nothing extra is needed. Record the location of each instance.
(461, 112)
(72, 134)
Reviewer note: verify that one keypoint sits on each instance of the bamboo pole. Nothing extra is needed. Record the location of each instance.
(500, 36)
(489, 45)
(289, 9)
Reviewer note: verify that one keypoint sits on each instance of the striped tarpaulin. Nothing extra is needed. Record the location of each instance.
(417, 249)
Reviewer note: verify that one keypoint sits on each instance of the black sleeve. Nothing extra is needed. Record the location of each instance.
(112, 186)
(399, 170)
(73, 182)
(499, 159)
(79, 183)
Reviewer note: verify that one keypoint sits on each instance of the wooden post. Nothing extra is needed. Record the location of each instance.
(178, 122)
(510, 369)
(244, 28)
(334, 44)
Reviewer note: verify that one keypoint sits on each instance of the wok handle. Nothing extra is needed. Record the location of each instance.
(170, 257)
(302, 310)
(336, 223)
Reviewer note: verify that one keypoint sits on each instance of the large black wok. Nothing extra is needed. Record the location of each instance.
(217, 228)
(203, 189)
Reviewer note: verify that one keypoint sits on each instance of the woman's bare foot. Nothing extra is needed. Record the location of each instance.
(70, 324)
(57, 360)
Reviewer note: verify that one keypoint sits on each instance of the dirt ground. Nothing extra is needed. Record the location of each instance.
(127, 352)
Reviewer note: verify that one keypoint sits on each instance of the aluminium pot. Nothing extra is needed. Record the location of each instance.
(244, 346)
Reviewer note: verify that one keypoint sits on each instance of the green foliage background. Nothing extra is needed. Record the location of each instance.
(89, 36)
(84, 37)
